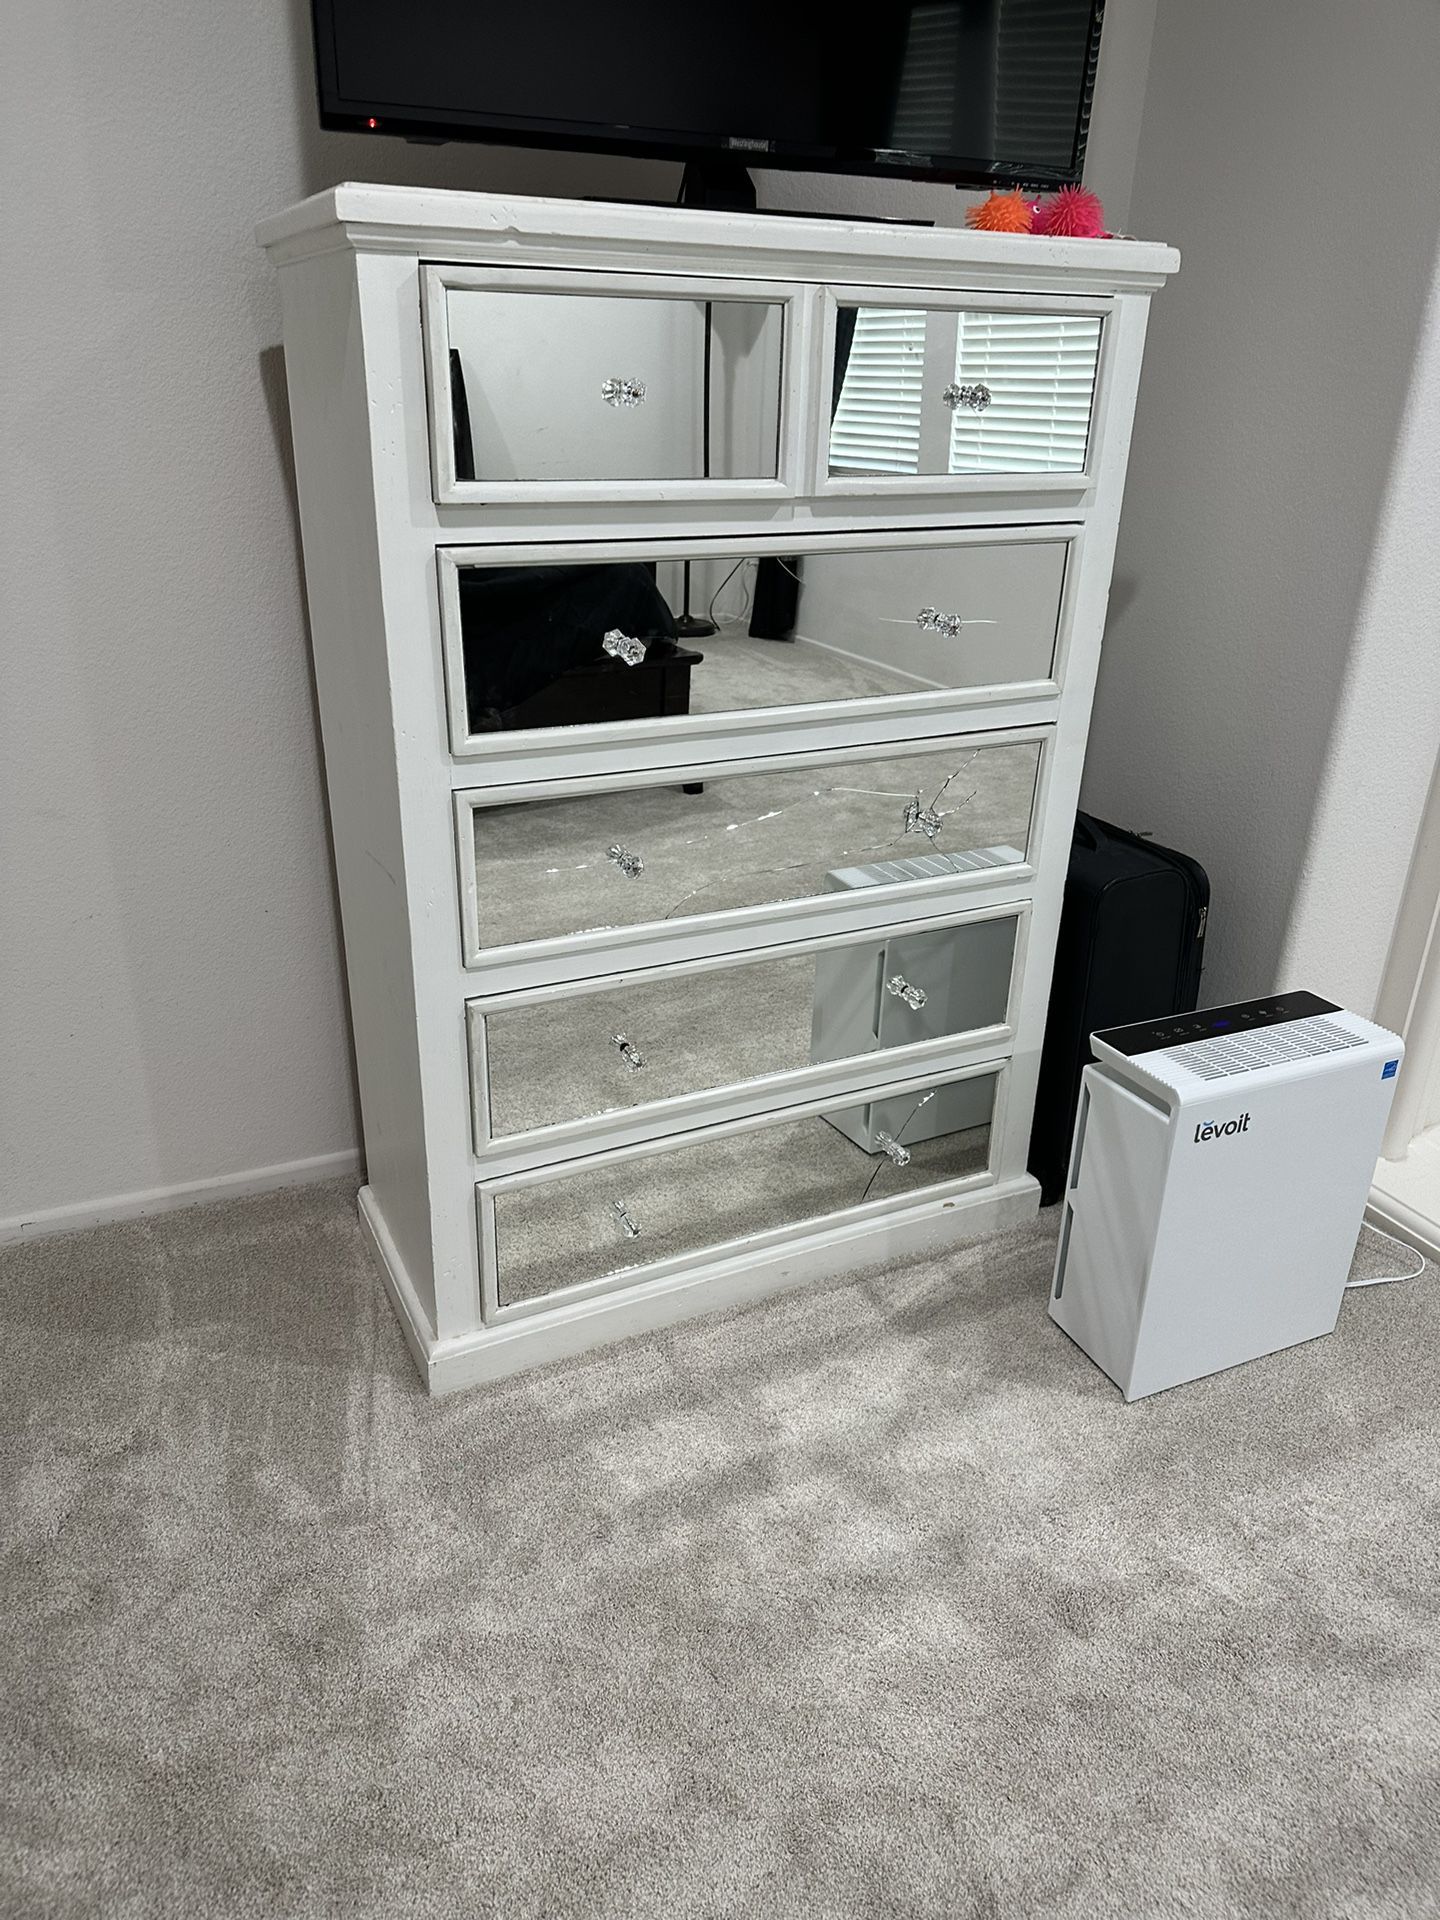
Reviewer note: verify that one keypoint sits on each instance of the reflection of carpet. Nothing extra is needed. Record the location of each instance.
(557, 1061)
(563, 1232)
(542, 868)
(739, 672)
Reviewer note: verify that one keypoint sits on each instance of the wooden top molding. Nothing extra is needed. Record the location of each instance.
(509, 229)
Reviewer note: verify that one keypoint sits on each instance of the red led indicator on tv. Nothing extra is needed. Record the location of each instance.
(372, 123)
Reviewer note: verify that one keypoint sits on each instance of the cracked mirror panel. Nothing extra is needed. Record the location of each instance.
(580, 1056)
(629, 856)
(637, 639)
(577, 386)
(621, 1215)
(936, 392)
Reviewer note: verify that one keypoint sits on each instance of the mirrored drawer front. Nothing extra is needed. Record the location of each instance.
(627, 856)
(573, 386)
(969, 392)
(692, 1030)
(604, 639)
(623, 1214)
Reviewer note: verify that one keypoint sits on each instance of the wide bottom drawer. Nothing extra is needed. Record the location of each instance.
(620, 1214)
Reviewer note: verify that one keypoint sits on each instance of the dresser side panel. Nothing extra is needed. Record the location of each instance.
(328, 382)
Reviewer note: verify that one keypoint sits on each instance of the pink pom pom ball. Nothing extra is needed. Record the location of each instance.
(1073, 213)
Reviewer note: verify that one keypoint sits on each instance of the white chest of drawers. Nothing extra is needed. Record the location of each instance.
(684, 968)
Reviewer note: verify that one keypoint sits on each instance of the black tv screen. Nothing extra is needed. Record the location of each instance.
(970, 91)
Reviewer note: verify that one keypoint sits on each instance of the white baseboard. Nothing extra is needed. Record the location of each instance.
(491, 1352)
(1405, 1195)
(185, 1193)
(1393, 1216)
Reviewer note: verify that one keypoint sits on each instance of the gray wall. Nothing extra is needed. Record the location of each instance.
(171, 997)
(1268, 696)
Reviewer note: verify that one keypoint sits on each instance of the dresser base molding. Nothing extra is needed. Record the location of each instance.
(489, 1353)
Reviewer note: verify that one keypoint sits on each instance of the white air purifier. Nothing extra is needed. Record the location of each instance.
(1218, 1179)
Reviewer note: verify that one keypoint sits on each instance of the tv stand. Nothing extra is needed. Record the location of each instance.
(709, 181)
(721, 184)
(726, 186)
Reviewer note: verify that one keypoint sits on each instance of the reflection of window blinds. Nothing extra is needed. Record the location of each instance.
(877, 423)
(925, 103)
(1041, 47)
(1040, 369)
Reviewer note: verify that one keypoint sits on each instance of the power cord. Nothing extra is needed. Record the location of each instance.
(1388, 1279)
(719, 619)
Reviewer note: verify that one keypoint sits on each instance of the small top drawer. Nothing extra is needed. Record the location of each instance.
(962, 392)
(574, 386)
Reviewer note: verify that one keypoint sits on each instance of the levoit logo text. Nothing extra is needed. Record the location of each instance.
(1222, 1129)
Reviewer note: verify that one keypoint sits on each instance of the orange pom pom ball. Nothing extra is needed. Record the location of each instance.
(1071, 214)
(1001, 213)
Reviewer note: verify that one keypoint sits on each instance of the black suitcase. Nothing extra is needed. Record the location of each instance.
(1132, 938)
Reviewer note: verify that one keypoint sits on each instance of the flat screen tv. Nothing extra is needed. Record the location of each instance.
(976, 92)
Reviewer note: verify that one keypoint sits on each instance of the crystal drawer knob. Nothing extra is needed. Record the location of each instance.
(892, 1149)
(928, 816)
(630, 864)
(629, 1052)
(627, 1224)
(974, 397)
(621, 392)
(923, 819)
(623, 646)
(932, 620)
(914, 997)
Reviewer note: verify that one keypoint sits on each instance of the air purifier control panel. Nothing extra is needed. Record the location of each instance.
(1178, 1030)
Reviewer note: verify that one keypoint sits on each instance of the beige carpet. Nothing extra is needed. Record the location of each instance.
(872, 1601)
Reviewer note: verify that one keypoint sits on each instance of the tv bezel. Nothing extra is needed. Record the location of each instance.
(379, 118)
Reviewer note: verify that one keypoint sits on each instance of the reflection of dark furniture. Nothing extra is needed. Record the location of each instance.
(533, 636)
(533, 639)
(776, 600)
(460, 419)
(607, 689)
